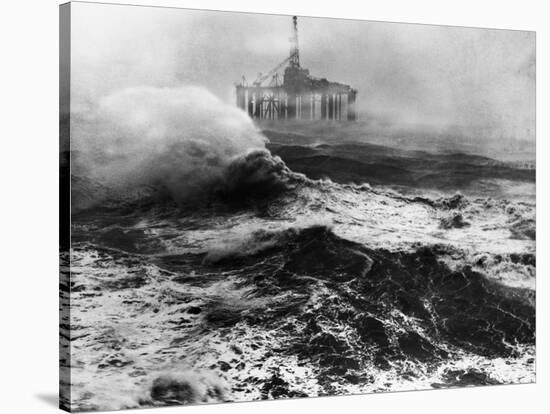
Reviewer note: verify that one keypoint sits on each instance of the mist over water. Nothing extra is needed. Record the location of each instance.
(473, 83)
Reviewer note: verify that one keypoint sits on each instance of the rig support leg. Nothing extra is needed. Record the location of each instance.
(351, 106)
(324, 106)
(291, 108)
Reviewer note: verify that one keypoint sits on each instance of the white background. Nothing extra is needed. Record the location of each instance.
(29, 206)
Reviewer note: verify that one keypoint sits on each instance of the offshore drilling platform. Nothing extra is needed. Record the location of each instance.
(298, 96)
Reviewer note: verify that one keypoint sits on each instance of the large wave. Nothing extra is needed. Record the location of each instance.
(180, 139)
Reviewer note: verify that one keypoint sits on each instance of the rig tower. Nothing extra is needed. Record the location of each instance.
(299, 95)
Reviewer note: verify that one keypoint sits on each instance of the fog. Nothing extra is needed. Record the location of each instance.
(448, 79)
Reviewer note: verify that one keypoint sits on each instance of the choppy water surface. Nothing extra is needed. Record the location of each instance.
(287, 286)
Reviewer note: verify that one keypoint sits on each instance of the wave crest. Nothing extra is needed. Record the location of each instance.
(258, 174)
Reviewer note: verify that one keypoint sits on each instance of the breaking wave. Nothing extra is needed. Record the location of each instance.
(253, 176)
(178, 139)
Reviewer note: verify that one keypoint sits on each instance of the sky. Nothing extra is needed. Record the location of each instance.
(478, 81)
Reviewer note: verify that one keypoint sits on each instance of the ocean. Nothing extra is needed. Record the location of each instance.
(297, 267)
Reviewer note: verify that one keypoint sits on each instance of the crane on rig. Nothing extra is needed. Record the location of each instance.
(299, 95)
(271, 74)
(293, 59)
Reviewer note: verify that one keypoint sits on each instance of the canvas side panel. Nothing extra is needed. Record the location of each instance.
(64, 206)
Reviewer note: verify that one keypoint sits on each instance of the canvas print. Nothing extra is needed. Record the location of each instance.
(259, 207)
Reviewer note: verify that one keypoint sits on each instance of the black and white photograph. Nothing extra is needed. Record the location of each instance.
(260, 206)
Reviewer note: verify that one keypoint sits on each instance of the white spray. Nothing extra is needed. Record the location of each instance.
(181, 138)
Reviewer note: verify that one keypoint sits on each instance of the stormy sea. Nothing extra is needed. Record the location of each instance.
(227, 261)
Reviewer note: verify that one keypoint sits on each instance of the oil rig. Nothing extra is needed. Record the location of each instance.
(298, 96)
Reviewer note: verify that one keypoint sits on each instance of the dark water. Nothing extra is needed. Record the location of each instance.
(279, 284)
(402, 169)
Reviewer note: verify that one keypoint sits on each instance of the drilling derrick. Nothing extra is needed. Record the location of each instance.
(299, 95)
(294, 50)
